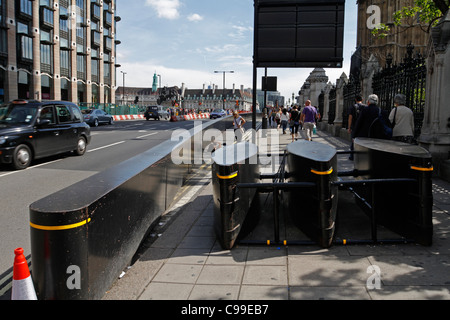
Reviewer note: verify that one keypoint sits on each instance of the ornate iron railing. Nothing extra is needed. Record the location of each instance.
(351, 90)
(408, 78)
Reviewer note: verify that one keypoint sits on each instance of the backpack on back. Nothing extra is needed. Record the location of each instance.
(381, 128)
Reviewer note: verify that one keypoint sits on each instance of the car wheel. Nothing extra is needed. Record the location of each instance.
(111, 121)
(81, 146)
(22, 157)
(96, 123)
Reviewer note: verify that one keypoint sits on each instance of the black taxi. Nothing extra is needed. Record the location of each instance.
(32, 130)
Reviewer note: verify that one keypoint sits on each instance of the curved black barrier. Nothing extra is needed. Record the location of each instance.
(392, 184)
(83, 237)
(313, 209)
(232, 165)
(404, 207)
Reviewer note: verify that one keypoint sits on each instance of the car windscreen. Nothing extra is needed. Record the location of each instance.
(17, 114)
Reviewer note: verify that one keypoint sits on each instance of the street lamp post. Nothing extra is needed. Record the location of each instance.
(224, 72)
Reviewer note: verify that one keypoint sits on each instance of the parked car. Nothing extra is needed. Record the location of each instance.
(156, 113)
(95, 117)
(32, 130)
(218, 113)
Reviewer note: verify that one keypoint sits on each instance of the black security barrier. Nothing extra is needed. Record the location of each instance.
(402, 200)
(313, 210)
(84, 236)
(392, 183)
(234, 207)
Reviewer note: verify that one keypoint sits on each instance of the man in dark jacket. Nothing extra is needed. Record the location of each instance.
(366, 118)
(353, 114)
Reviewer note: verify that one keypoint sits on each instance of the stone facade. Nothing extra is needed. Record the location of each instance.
(376, 51)
(313, 87)
(436, 128)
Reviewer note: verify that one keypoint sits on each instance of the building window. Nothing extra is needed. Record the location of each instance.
(46, 87)
(108, 18)
(2, 85)
(64, 25)
(80, 4)
(24, 85)
(108, 43)
(3, 42)
(26, 7)
(26, 46)
(65, 85)
(81, 67)
(46, 54)
(22, 28)
(96, 11)
(46, 36)
(65, 63)
(95, 69)
(47, 3)
(107, 73)
(47, 16)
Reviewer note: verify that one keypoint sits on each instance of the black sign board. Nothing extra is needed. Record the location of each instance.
(269, 83)
(299, 33)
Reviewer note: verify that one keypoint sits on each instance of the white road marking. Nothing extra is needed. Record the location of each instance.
(108, 146)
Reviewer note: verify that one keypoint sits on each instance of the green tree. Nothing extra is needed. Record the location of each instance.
(424, 13)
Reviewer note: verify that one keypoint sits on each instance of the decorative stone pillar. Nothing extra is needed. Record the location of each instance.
(326, 103)
(436, 126)
(340, 83)
(318, 81)
(369, 69)
(304, 94)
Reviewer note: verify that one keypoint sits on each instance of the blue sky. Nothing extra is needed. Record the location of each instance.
(185, 41)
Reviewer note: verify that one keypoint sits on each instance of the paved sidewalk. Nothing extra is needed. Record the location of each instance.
(183, 261)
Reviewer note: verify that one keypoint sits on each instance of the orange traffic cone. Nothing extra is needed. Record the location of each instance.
(22, 286)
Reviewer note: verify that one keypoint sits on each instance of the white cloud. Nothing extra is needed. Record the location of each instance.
(240, 32)
(195, 17)
(167, 9)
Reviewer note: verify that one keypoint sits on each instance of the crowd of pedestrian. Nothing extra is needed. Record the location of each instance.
(370, 121)
(365, 120)
(297, 119)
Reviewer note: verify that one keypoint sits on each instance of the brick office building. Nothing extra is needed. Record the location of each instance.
(58, 50)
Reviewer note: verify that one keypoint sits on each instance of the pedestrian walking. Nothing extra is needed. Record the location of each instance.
(238, 124)
(294, 123)
(309, 118)
(367, 125)
(353, 114)
(277, 118)
(284, 119)
(402, 119)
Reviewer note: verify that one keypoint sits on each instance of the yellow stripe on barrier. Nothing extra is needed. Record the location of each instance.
(232, 176)
(422, 169)
(60, 228)
(323, 173)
